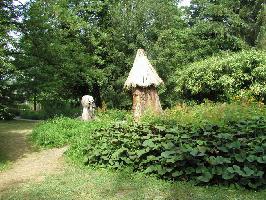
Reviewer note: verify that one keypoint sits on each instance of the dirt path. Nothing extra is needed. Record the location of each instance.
(27, 163)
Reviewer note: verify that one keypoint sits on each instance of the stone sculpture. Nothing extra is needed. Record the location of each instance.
(88, 104)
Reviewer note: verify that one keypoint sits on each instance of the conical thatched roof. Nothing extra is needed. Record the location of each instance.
(142, 73)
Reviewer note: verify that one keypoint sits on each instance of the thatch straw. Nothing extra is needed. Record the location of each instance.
(142, 73)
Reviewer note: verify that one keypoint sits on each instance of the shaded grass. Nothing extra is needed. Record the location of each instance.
(6, 126)
(13, 141)
(99, 184)
(3, 165)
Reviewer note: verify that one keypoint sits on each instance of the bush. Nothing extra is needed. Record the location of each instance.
(50, 109)
(223, 77)
(208, 147)
(53, 108)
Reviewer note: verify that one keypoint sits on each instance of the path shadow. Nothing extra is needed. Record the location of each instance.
(14, 142)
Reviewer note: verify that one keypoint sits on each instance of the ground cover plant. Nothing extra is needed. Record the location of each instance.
(186, 143)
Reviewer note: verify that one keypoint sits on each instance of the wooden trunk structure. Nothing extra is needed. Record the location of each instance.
(143, 80)
(145, 99)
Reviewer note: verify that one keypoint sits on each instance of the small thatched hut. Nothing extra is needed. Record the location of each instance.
(143, 80)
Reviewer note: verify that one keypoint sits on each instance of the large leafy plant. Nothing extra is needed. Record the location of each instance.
(206, 149)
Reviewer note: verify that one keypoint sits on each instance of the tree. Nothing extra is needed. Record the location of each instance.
(216, 26)
(213, 26)
(88, 46)
(51, 45)
(7, 69)
(261, 39)
(251, 12)
(138, 24)
(226, 24)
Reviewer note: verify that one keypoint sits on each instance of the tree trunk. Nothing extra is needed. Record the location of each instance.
(35, 103)
(261, 40)
(97, 95)
(145, 99)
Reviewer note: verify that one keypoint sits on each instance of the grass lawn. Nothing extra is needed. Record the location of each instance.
(77, 183)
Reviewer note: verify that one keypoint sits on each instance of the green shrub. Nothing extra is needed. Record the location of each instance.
(50, 109)
(53, 108)
(208, 144)
(224, 77)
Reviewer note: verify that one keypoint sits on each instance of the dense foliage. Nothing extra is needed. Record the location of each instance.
(224, 77)
(186, 143)
(261, 40)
